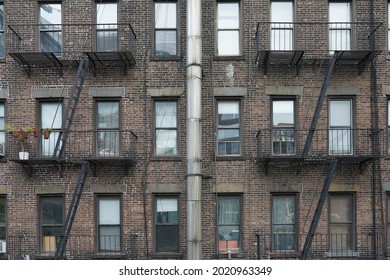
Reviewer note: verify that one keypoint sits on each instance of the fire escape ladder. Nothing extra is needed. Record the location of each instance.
(82, 73)
(317, 213)
(72, 210)
(317, 111)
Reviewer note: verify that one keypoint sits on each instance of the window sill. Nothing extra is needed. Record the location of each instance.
(109, 256)
(166, 58)
(166, 256)
(157, 158)
(343, 254)
(285, 254)
(229, 158)
(226, 58)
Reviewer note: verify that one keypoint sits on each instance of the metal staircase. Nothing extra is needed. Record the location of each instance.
(82, 73)
(61, 245)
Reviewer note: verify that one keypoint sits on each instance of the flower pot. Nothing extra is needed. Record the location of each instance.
(46, 134)
(23, 155)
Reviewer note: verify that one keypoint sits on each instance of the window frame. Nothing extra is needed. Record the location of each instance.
(282, 26)
(284, 138)
(4, 226)
(155, 128)
(388, 126)
(2, 130)
(119, 150)
(342, 251)
(56, 240)
(155, 30)
(218, 30)
(341, 26)
(156, 224)
(55, 130)
(101, 197)
(388, 26)
(111, 29)
(349, 129)
(388, 222)
(294, 196)
(240, 127)
(220, 241)
(2, 31)
(55, 28)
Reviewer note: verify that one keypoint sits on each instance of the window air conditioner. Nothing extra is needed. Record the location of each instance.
(3, 247)
(2, 150)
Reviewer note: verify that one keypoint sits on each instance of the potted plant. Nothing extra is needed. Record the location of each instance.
(21, 135)
(46, 133)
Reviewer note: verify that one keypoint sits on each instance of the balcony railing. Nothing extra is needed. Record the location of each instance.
(327, 143)
(81, 145)
(324, 246)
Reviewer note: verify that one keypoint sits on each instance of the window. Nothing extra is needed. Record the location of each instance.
(106, 28)
(341, 223)
(388, 26)
(229, 223)
(109, 224)
(2, 129)
(282, 28)
(3, 228)
(388, 126)
(50, 27)
(228, 28)
(340, 127)
(165, 28)
(52, 220)
(166, 119)
(388, 221)
(108, 124)
(2, 48)
(283, 127)
(229, 126)
(339, 26)
(284, 233)
(166, 224)
(50, 117)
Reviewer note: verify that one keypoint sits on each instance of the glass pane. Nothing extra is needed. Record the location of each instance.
(282, 39)
(340, 237)
(229, 210)
(283, 241)
(166, 142)
(228, 148)
(1, 17)
(166, 114)
(283, 113)
(388, 209)
(228, 114)
(341, 113)
(341, 209)
(229, 232)
(2, 232)
(228, 42)
(51, 115)
(48, 145)
(1, 110)
(228, 16)
(109, 238)
(51, 41)
(167, 238)
(340, 141)
(2, 212)
(165, 15)
(281, 11)
(106, 13)
(166, 210)
(2, 44)
(166, 42)
(108, 143)
(52, 210)
(228, 135)
(283, 211)
(339, 12)
(108, 114)
(340, 40)
(107, 41)
(50, 14)
(109, 211)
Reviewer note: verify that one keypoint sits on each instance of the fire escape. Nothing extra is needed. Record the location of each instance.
(292, 45)
(70, 146)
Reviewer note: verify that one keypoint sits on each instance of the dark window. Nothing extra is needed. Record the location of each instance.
(283, 127)
(50, 19)
(167, 224)
(108, 125)
(229, 127)
(282, 29)
(228, 28)
(388, 221)
(341, 126)
(341, 223)
(284, 233)
(50, 119)
(109, 224)
(165, 125)
(106, 28)
(2, 129)
(52, 221)
(2, 48)
(229, 223)
(165, 28)
(3, 223)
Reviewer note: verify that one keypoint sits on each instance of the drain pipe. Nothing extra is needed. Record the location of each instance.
(194, 129)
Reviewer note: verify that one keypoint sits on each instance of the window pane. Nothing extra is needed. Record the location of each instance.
(107, 41)
(166, 142)
(165, 15)
(340, 141)
(341, 209)
(109, 211)
(228, 42)
(2, 218)
(341, 237)
(281, 11)
(108, 143)
(228, 16)
(109, 238)
(50, 14)
(166, 210)
(341, 113)
(167, 238)
(166, 42)
(283, 113)
(1, 44)
(166, 114)
(108, 114)
(339, 12)
(228, 114)
(106, 13)
(52, 210)
(1, 17)
(51, 115)
(283, 211)
(229, 210)
(229, 232)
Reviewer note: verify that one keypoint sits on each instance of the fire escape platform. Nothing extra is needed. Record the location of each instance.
(29, 60)
(122, 59)
(273, 57)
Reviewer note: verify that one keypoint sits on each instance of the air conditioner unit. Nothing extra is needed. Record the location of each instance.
(2, 150)
(3, 247)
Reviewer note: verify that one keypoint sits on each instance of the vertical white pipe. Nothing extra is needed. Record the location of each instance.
(194, 129)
